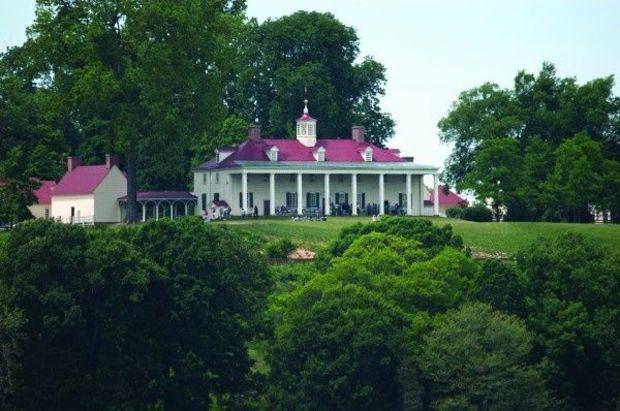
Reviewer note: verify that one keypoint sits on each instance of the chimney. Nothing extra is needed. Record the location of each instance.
(254, 132)
(357, 133)
(73, 162)
(111, 160)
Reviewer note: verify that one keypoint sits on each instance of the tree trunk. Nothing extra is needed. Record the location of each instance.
(132, 191)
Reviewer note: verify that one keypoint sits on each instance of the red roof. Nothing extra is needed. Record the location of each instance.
(162, 195)
(446, 199)
(43, 194)
(336, 150)
(305, 117)
(81, 180)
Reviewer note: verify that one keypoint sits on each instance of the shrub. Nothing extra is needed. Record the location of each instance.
(454, 212)
(432, 238)
(280, 248)
(478, 213)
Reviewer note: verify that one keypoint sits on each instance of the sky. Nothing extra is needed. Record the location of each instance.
(435, 49)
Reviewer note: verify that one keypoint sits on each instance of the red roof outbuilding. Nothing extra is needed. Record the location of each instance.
(43, 194)
(81, 180)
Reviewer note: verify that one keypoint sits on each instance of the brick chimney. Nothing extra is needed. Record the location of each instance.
(254, 132)
(73, 162)
(357, 133)
(111, 160)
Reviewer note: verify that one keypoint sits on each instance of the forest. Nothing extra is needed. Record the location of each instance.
(394, 314)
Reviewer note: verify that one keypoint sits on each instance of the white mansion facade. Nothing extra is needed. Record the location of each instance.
(307, 174)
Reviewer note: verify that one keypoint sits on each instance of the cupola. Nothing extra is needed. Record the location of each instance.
(306, 128)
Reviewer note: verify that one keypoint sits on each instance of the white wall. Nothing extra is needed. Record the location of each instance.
(113, 186)
(84, 206)
(38, 210)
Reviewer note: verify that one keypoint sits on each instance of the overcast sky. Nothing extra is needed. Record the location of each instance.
(435, 49)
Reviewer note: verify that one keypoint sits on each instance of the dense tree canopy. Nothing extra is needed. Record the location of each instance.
(309, 55)
(512, 145)
(126, 319)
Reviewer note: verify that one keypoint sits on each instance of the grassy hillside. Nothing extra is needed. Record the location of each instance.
(482, 237)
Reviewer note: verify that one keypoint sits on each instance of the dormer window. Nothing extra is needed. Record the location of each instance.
(272, 153)
(320, 154)
(367, 154)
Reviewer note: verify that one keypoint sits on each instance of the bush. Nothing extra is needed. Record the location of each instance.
(432, 238)
(478, 213)
(280, 248)
(454, 212)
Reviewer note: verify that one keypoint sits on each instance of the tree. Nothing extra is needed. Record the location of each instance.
(132, 76)
(308, 55)
(571, 289)
(577, 179)
(476, 358)
(144, 317)
(540, 112)
(500, 285)
(338, 347)
(16, 188)
(233, 132)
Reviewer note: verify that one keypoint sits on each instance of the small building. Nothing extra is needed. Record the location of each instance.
(445, 201)
(308, 175)
(42, 208)
(160, 204)
(89, 194)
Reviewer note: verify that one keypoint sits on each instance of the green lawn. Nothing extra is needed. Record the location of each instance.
(481, 237)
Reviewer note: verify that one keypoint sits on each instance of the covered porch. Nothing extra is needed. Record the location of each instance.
(154, 205)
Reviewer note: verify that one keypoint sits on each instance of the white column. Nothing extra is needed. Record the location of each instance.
(244, 192)
(143, 211)
(381, 194)
(156, 210)
(435, 194)
(272, 194)
(186, 210)
(327, 210)
(409, 198)
(299, 194)
(354, 194)
(422, 190)
(171, 210)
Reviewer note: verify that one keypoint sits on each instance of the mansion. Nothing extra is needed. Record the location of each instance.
(309, 174)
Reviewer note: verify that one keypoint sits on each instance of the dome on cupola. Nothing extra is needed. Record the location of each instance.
(306, 128)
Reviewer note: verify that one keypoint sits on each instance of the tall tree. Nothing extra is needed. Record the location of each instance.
(309, 55)
(539, 113)
(135, 76)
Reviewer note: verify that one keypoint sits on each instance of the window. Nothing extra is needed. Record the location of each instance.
(217, 178)
(311, 129)
(320, 155)
(342, 198)
(47, 213)
(368, 154)
(312, 200)
(402, 200)
(204, 179)
(216, 196)
(361, 200)
(304, 129)
(250, 200)
(291, 200)
(203, 201)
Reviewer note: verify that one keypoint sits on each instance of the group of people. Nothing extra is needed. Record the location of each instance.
(217, 213)
(254, 212)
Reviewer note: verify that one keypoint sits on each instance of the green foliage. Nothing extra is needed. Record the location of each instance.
(308, 55)
(147, 317)
(477, 212)
(500, 285)
(430, 237)
(280, 248)
(572, 289)
(477, 359)
(454, 212)
(519, 147)
(338, 347)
